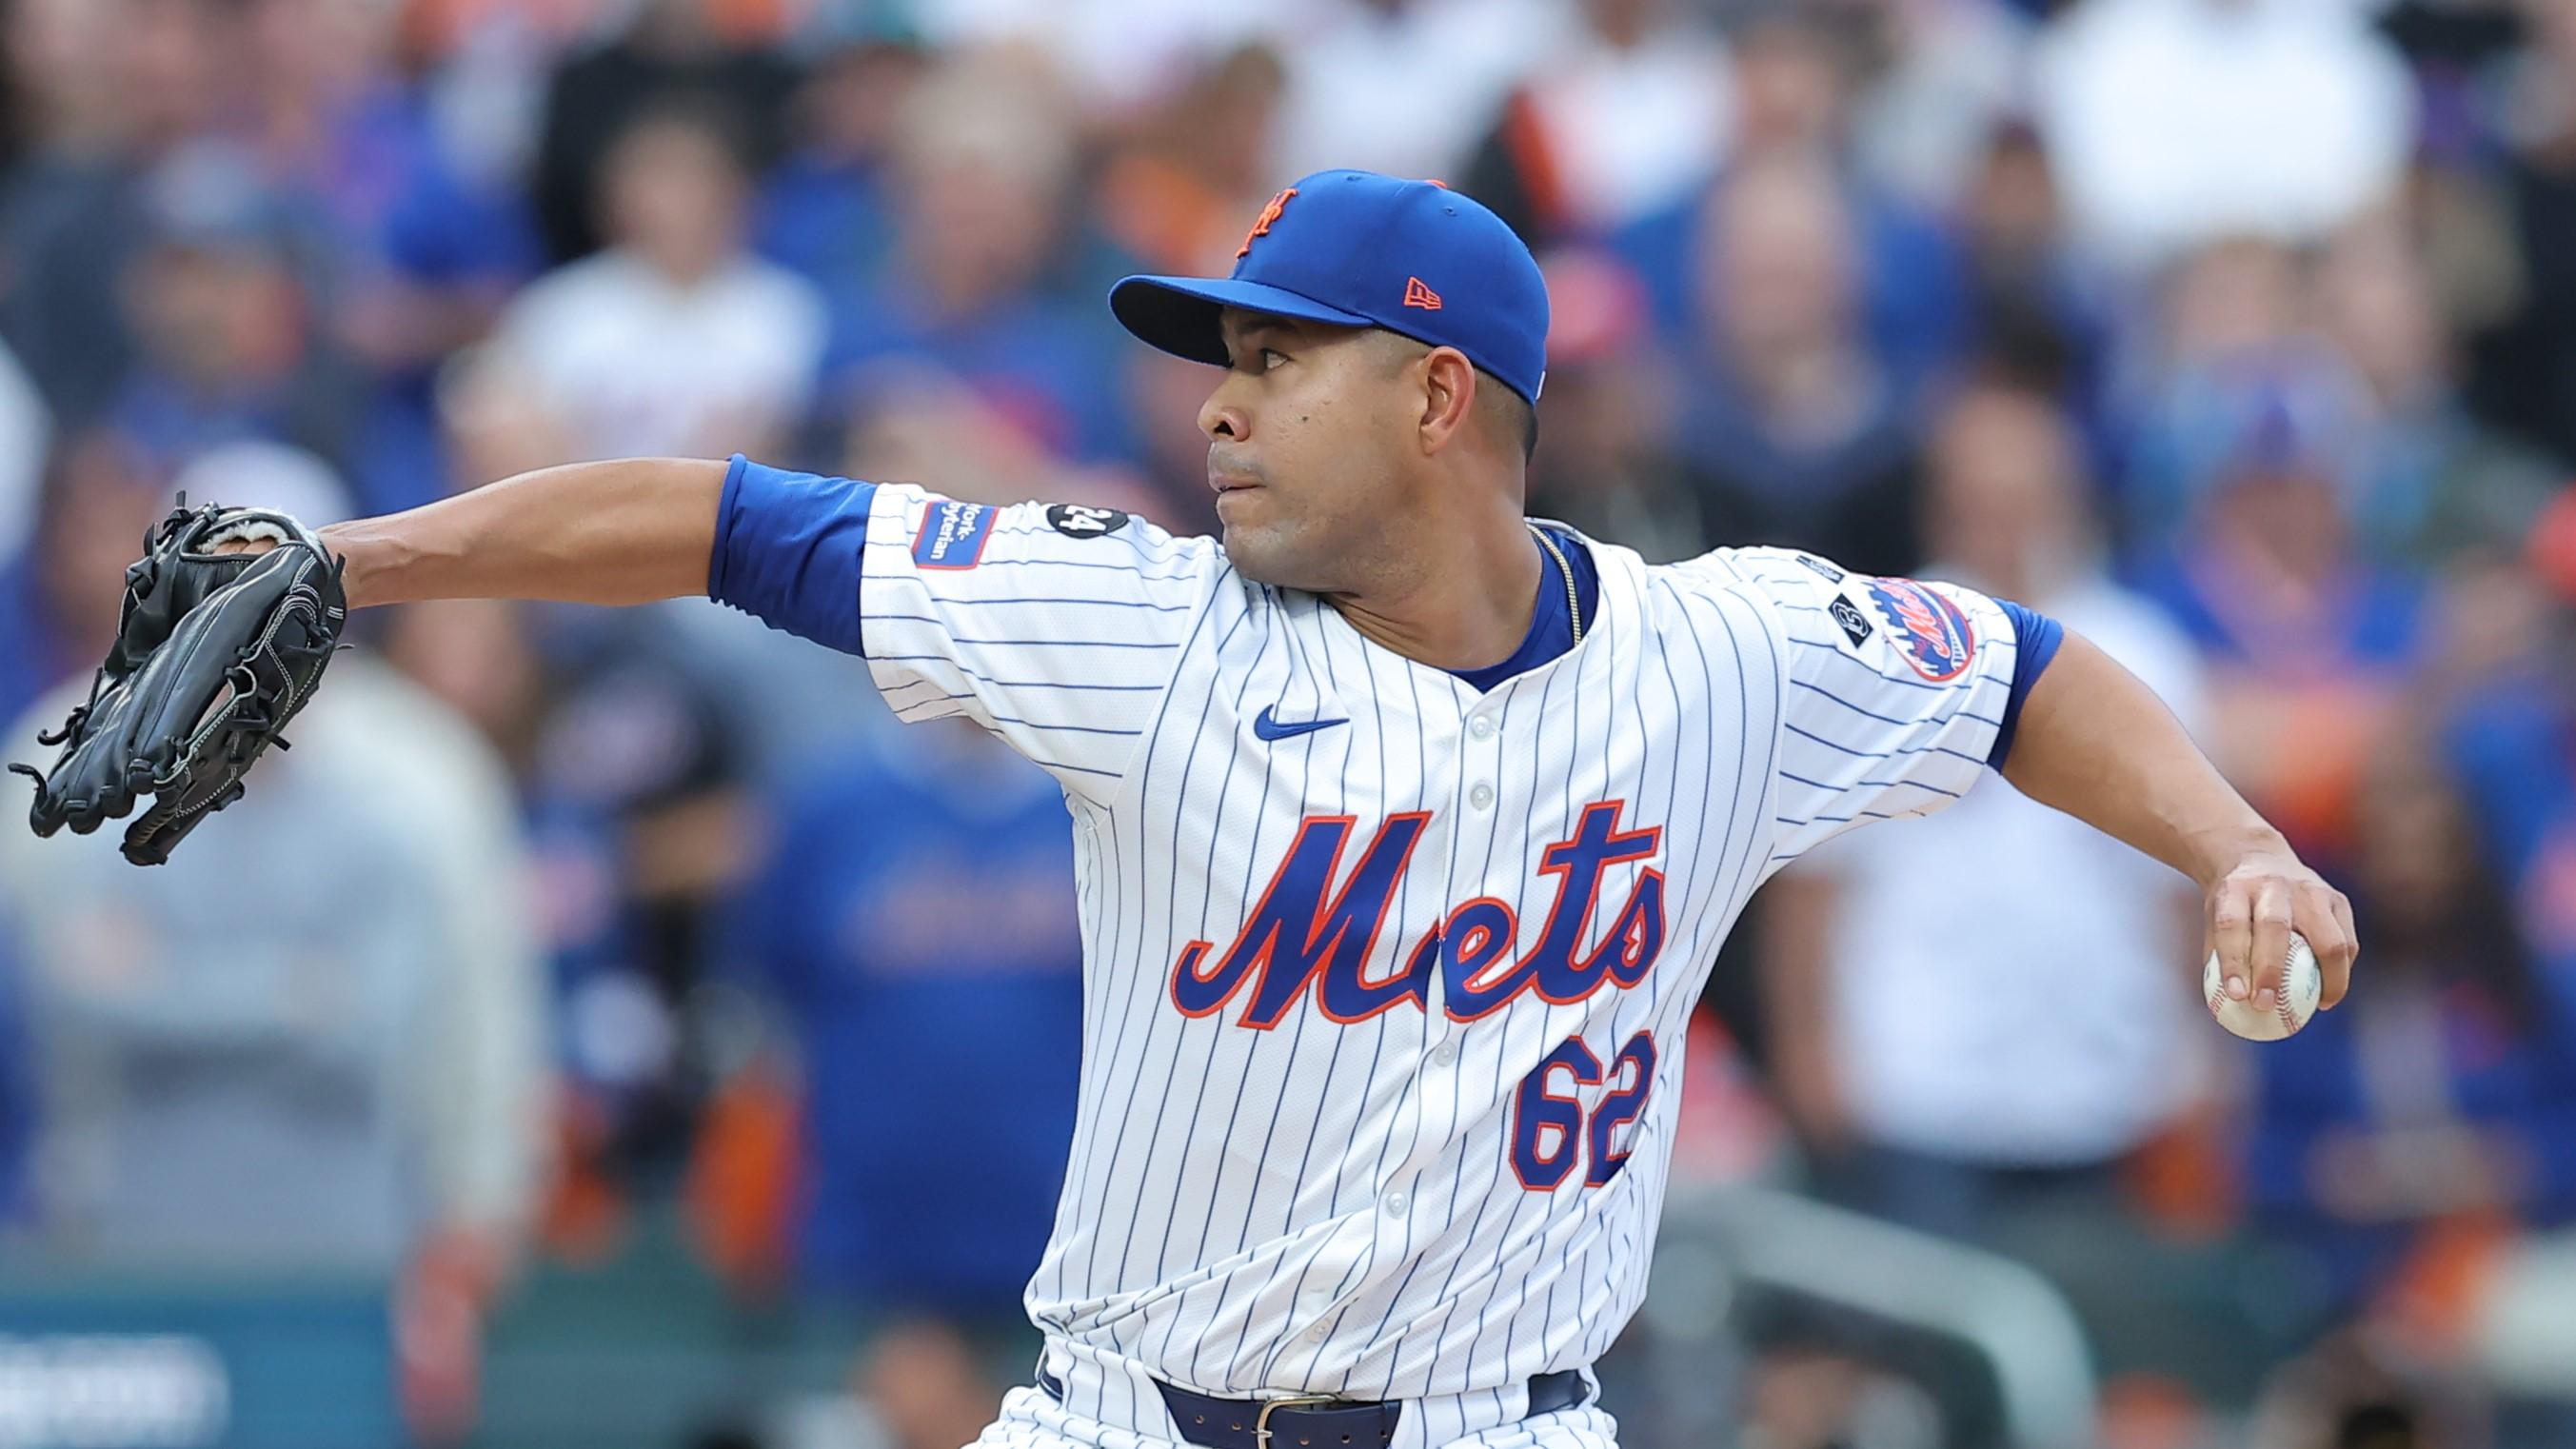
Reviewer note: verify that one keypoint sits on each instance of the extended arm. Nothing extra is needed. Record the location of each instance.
(624, 532)
(2096, 743)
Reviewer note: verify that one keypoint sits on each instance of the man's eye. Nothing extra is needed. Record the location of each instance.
(1271, 357)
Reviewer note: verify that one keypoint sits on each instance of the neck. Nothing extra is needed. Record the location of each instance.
(1468, 608)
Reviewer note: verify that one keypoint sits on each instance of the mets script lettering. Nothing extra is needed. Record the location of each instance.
(1316, 925)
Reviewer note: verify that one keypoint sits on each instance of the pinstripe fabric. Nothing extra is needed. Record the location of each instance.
(1335, 1205)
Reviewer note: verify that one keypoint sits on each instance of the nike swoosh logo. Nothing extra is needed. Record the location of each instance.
(1269, 728)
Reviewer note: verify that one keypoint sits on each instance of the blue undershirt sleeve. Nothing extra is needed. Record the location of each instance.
(2038, 636)
(788, 551)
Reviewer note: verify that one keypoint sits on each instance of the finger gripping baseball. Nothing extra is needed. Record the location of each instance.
(214, 656)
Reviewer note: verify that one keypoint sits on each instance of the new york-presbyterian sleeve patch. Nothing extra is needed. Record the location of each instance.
(952, 535)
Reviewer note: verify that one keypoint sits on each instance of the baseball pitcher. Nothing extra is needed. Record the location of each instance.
(1406, 826)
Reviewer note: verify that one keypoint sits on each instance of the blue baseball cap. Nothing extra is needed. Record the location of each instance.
(1357, 249)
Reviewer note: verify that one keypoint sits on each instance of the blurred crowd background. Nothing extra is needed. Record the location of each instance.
(606, 1028)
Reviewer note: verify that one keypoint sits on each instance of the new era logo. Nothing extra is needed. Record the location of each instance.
(1418, 295)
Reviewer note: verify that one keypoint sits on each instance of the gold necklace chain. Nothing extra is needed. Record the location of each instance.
(1573, 604)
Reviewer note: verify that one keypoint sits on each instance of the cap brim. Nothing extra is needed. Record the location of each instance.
(1179, 314)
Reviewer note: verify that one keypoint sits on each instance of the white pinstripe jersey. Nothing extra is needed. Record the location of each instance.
(1387, 978)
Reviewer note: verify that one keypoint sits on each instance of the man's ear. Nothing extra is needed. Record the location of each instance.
(1449, 397)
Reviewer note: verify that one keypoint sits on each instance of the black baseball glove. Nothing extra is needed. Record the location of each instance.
(214, 653)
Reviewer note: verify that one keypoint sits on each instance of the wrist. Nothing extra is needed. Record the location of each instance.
(364, 578)
(2210, 853)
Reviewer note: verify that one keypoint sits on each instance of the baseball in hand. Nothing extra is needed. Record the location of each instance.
(2301, 983)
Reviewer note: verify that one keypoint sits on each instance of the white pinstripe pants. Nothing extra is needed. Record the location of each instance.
(1032, 1419)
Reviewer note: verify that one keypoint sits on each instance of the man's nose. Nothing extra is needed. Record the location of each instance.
(1222, 417)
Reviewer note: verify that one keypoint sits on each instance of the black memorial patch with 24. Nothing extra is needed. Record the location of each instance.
(1075, 520)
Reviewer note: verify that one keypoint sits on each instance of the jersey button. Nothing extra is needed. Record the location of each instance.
(1394, 1204)
(1481, 726)
(1482, 796)
(1445, 1053)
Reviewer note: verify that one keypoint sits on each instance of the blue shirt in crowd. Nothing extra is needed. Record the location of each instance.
(916, 921)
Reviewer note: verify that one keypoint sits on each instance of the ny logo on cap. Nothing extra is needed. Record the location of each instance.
(1261, 224)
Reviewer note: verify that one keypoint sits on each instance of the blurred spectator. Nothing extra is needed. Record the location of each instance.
(26, 438)
(2551, 546)
(2310, 642)
(476, 657)
(2513, 742)
(674, 341)
(265, 475)
(1939, 76)
(2352, 1391)
(1404, 86)
(108, 87)
(2441, 1100)
(2527, 364)
(631, 734)
(2177, 122)
(825, 211)
(1631, 113)
(1793, 79)
(17, 1094)
(2229, 345)
(1792, 107)
(101, 495)
(673, 53)
(227, 321)
(1164, 394)
(2512, 748)
(1797, 432)
(778, 702)
(629, 772)
(301, 1084)
(991, 297)
(1177, 197)
(1600, 465)
(2434, 481)
(484, 68)
(1914, 1004)
(2238, 297)
(2227, 328)
(1948, 1063)
(856, 927)
(36, 592)
(2038, 306)
(1122, 56)
(415, 255)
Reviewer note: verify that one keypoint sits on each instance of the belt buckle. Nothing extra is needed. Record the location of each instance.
(1261, 1430)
